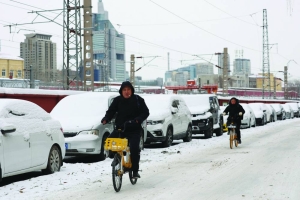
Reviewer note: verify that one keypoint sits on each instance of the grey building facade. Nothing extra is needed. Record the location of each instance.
(39, 52)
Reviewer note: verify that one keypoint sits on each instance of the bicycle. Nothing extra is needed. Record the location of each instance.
(121, 162)
(232, 135)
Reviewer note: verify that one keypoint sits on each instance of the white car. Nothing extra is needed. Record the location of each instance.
(294, 107)
(288, 110)
(80, 116)
(207, 117)
(260, 115)
(280, 112)
(248, 118)
(169, 119)
(273, 112)
(30, 139)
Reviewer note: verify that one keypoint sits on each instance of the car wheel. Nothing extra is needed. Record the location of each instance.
(219, 131)
(189, 133)
(210, 131)
(141, 140)
(169, 138)
(103, 152)
(54, 161)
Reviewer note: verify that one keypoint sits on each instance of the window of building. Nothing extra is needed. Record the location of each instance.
(120, 56)
(11, 73)
(3, 73)
(19, 73)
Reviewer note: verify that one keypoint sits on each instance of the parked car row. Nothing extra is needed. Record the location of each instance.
(32, 139)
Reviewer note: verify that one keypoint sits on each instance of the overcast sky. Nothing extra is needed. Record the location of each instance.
(183, 28)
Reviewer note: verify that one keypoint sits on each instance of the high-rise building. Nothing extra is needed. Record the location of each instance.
(39, 52)
(241, 66)
(109, 48)
(204, 68)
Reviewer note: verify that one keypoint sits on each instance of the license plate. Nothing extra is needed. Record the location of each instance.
(66, 145)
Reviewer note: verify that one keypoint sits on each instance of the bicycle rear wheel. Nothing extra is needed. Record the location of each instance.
(132, 180)
(230, 139)
(116, 175)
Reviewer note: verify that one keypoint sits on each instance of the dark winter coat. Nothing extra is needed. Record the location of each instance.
(131, 109)
(234, 110)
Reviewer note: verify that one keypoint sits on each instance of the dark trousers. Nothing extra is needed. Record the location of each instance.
(237, 129)
(134, 144)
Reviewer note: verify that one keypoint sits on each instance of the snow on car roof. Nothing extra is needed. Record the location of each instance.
(85, 104)
(22, 109)
(201, 100)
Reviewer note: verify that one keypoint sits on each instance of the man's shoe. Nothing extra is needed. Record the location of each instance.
(240, 141)
(135, 175)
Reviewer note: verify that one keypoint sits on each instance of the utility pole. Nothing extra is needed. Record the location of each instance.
(266, 61)
(274, 85)
(31, 77)
(132, 69)
(285, 82)
(225, 72)
(88, 61)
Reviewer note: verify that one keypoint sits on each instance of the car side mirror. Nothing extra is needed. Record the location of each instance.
(174, 110)
(8, 128)
(264, 110)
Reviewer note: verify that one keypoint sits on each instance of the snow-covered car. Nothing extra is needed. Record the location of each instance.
(206, 114)
(267, 112)
(295, 108)
(260, 115)
(280, 112)
(288, 111)
(169, 119)
(30, 139)
(80, 116)
(273, 112)
(248, 118)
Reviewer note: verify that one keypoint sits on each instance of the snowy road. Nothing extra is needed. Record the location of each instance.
(265, 166)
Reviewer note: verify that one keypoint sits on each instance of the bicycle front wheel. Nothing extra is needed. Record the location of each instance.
(116, 173)
(132, 180)
(235, 140)
(230, 139)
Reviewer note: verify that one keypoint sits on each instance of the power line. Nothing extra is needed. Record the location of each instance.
(177, 23)
(229, 14)
(203, 29)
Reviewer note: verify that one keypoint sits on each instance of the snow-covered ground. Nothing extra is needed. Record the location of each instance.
(265, 166)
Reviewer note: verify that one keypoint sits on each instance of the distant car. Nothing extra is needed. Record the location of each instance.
(248, 118)
(267, 111)
(295, 108)
(80, 116)
(273, 112)
(288, 110)
(260, 115)
(30, 139)
(281, 115)
(169, 119)
(206, 114)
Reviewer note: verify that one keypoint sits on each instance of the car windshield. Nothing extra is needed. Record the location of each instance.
(196, 100)
(155, 103)
(255, 106)
(81, 106)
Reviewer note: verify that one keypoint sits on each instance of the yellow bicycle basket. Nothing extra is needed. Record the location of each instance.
(115, 144)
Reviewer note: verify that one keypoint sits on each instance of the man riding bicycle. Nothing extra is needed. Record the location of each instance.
(132, 109)
(236, 112)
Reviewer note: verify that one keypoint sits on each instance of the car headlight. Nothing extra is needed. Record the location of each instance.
(91, 132)
(150, 122)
